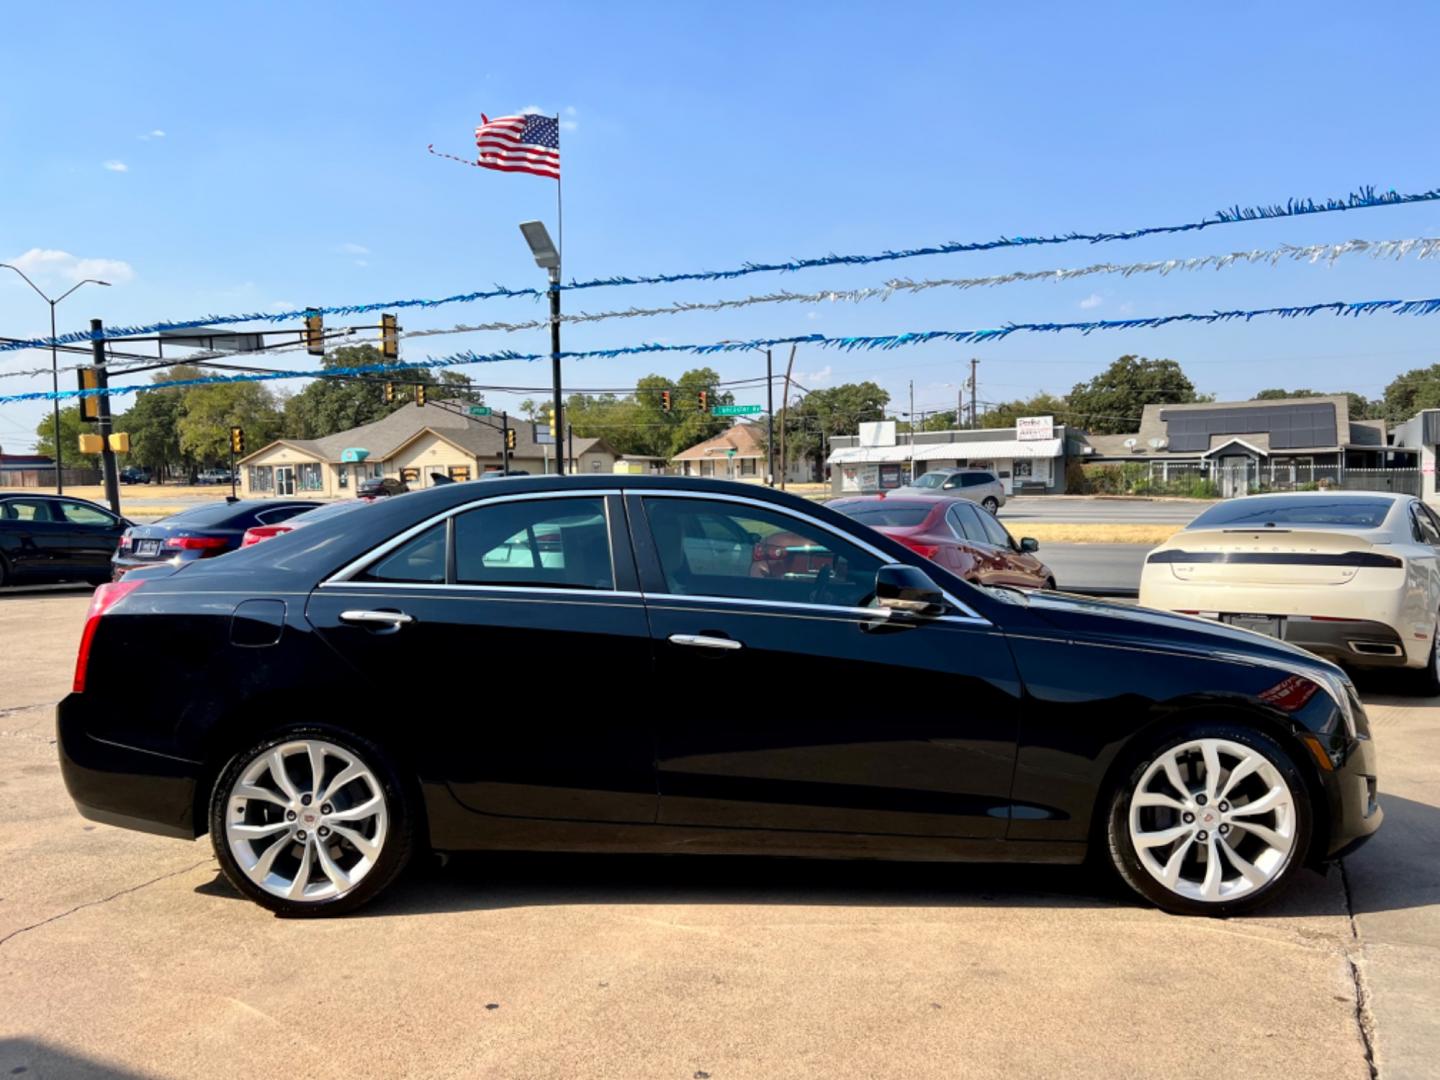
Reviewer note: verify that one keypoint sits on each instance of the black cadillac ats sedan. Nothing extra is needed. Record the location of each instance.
(658, 664)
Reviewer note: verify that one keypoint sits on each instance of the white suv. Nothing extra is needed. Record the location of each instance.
(977, 485)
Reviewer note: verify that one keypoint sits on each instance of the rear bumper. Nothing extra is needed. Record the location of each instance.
(1356, 643)
(122, 785)
(1355, 811)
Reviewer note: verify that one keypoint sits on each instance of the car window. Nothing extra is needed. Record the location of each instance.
(419, 560)
(27, 510)
(1430, 516)
(976, 479)
(931, 480)
(1421, 527)
(1263, 510)
(549, 543)
(899, 515)
(966, 522)
(280, 513)
(79, 513)
(710, 548)
(994, 530)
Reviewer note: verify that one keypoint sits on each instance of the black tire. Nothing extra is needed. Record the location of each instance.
(1427, 679)
(1126, 861)
(4, 573)
(1050, 584)
(992, 504)
(401, 808)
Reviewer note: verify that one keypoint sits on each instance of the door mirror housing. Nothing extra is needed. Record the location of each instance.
(908, 589)
(1029, 544)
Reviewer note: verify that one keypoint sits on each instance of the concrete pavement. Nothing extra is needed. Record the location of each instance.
(126, 955)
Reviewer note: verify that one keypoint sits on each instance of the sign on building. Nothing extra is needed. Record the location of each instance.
(1029, 428)
(877, 433)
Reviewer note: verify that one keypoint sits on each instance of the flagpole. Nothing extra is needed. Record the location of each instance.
(559, 206)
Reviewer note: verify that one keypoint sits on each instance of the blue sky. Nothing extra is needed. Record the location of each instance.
(292, 170)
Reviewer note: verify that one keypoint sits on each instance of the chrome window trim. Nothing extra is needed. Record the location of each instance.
(784, 607)
(349, 570)
(424, 586)
(970, 614)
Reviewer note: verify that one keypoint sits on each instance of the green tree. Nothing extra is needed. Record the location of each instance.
(330, 405)
(153, 423)
(1112, 401)
(210, 411)
(823, 414)
(1006, 413)
(1407, 394)
(71, 428)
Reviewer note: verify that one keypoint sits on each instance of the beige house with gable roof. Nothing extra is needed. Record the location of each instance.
(411, 444)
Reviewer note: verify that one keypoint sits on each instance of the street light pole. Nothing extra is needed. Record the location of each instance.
(769, 421)
(547, 257)
(55, 364)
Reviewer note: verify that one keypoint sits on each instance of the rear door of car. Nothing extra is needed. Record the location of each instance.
(36, 542)
(514, 627)
(990, 566)
(781, 701)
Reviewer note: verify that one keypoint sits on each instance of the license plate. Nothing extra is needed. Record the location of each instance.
(1269, 625)
(147, 547)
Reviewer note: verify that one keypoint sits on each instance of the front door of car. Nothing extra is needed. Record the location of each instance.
(93, 536)
(516, 636)
(36, 544)
(782, 702)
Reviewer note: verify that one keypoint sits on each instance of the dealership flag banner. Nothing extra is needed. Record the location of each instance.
(529, 143)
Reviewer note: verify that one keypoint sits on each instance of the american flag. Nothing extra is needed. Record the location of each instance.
(528, 144)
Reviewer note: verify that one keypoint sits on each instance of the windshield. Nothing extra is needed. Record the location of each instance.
(901, 515)
(1283, 510)
(931, 480)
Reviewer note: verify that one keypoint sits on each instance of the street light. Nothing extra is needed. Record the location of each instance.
(548, 258)
(54, 361)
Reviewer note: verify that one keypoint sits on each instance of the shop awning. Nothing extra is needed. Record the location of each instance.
(1006, 449)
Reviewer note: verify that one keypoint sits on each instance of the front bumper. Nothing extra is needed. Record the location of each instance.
(122, 785)
(1355, 811)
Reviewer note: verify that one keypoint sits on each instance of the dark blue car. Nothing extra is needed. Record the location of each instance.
(202, 532)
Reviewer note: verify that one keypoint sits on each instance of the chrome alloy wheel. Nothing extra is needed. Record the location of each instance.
(306, 820)
(1212, 820)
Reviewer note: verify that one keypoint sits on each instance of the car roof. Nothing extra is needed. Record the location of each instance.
(1395, 496)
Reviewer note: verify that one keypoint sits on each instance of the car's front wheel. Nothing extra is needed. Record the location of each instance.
(1215, 820)
(992, 504)
(311, 821)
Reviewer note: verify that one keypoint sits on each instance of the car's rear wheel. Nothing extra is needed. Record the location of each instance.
(991, 503)
(1427, 679)
(311, 821)
(1215, 820)
(4, 573)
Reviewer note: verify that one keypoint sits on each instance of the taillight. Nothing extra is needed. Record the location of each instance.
(928, 550)
(125, 540)
(263, 532)
(195, 543)
(105, 598)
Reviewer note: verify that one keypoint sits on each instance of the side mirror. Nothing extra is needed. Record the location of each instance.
(1029, 544)
(908, 589)
(950, 484)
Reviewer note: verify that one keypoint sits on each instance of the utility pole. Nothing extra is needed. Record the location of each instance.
(973, 365)
(785, 405)
(102, 412)
(555, 360)
(912, 431)
(570, 441)
(505, 442)
(769, 421)
(959, 407)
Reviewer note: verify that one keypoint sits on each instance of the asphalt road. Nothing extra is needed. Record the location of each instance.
(1111, 567)
(126, 955)
(1081, 508)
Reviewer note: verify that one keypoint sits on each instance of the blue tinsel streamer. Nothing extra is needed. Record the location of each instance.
(848, 344)
(1356, 200)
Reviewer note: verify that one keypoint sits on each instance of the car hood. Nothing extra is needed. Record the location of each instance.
(1108, 622)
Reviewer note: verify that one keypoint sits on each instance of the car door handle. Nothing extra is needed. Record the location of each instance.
(703, 641)
(377, 618)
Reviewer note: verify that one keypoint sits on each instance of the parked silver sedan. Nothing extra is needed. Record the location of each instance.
(977, 485)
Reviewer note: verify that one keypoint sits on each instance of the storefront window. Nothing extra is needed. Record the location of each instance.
(310, 478)
(262, 478)
(344, 476)
(459, 473)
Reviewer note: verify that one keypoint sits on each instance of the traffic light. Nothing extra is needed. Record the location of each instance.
(509, 438)
(389, 393)
(420, 394)
(237, 441)
(314, 333)
(703, 400)
(389, 337)
(90, 404)
(554, 423)
(665, 400)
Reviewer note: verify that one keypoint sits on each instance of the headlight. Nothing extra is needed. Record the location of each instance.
(1338, 686)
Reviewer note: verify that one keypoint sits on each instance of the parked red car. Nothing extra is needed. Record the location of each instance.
(955, 533)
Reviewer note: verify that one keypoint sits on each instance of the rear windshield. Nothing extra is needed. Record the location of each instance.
(894, 514)
(209, 515)
(1284, 510)
(329, 510)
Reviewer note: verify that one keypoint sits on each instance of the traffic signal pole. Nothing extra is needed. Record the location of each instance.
(102, 413)
(557, 416)
(505, 442)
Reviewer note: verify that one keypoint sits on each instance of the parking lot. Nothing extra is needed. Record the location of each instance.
(127, 955)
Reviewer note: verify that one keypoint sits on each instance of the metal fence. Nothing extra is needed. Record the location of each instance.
(1212, 480)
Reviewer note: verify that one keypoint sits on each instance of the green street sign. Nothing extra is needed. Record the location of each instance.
(735, 410)
(479, 410)
(730, 452)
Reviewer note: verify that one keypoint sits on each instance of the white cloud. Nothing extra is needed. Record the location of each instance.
(156, 134)
(815, 378)
(354, 249)
(570, 119)
(1094, 300)
(528, 109)
(361, 262)
(812, 315)
(62, 266)
(116, 166)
